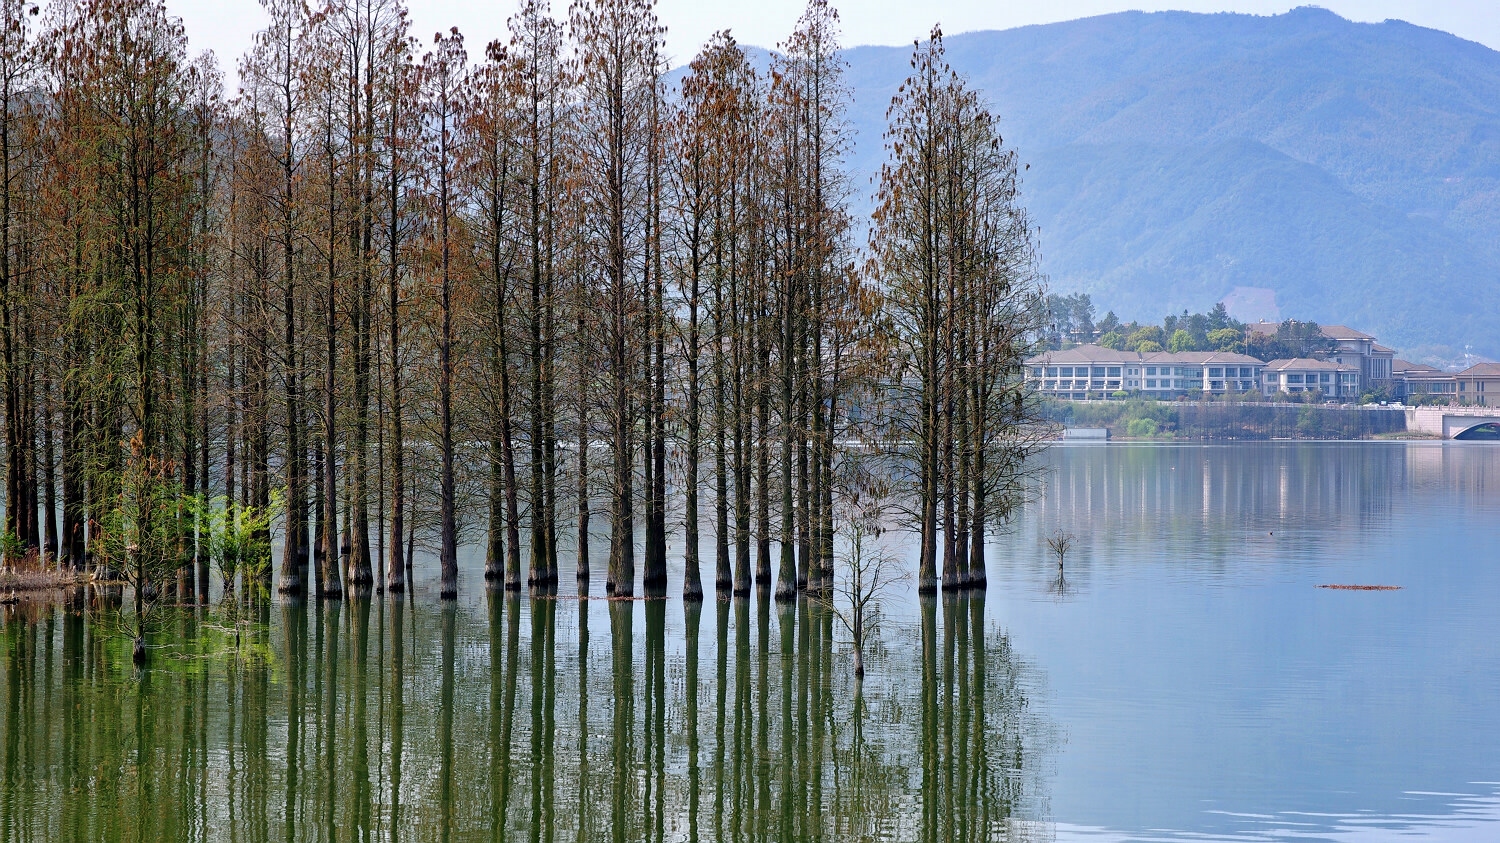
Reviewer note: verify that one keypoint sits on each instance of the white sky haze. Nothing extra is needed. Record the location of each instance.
(226, 26)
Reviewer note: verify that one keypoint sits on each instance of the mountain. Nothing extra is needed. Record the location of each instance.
(1176, 159)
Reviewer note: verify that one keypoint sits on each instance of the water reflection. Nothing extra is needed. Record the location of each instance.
(1209, 690)
(1205, 687)
(1207, 508)
(394, 720)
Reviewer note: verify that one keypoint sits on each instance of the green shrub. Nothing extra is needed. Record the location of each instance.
(1141, 428)
(1151, 334)
(1225, 339)
(1309, 423)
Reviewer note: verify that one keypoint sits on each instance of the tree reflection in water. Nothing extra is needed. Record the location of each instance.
(401, 720)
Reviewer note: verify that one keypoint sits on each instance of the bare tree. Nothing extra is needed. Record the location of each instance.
(442, 78)
(542, 82)
(17, 67)
(869, 570)
(807, 196)
(402, 149)
(954, 248)
(619, 44)
(273, 79)
(493, 151)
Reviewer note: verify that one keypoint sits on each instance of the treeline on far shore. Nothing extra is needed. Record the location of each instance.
(1071, 320)
(1146, 418)
(395, 293)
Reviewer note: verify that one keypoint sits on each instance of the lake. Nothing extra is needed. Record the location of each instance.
(1184, 678)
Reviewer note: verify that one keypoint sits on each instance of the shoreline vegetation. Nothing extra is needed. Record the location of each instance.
(391, 297)
(1151, 420)
(38, 583)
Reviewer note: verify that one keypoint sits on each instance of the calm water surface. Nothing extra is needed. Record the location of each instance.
(1183, 679)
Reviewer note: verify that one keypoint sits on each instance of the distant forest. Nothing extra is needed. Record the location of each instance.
(1070, 320)
(395, 294)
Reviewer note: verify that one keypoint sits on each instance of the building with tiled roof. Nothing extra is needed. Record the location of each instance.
(1358, 365)
(1087, 371)
(1405, 372)
(1344, 332)
(1358, 349)
(1478, 384)
(1481, 382)
(1400, 367)
(1354, 348)
(1329, 377)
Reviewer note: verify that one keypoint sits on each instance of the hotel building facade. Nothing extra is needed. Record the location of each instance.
(1091, 371)
(1478, 384)
(1358, 364)
(1335, 380)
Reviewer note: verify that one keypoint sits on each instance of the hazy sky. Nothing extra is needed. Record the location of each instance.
(225, 26)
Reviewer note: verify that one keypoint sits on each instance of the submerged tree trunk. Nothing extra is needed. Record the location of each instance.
(443, 70)
(581, 572)
(396, 567)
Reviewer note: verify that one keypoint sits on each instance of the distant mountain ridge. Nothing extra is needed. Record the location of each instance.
(1353, 169)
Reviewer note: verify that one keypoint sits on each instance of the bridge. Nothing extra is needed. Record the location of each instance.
(1455, 422)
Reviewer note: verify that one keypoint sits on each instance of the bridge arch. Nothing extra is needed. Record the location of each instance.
(1487, 431)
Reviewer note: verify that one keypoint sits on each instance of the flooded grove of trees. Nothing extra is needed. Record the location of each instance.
(392, 296)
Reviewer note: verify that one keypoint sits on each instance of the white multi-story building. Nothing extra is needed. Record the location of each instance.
(1357, 364)
(1478, 384)
(1351, 348)
(1361, 351)
(1334, 380)
(1094, 371)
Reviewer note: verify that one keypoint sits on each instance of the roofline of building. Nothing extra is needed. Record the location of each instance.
(1309, 363)
(1091, 354)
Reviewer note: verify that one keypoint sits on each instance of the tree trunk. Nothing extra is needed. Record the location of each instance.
(50, 543)
(331, 574)
(581, 572)
(396, 567)
(692, 579)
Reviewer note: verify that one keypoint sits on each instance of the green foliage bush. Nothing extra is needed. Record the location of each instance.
(1150, 334)
(238, 537)
(1226, 339)
(1141, 417)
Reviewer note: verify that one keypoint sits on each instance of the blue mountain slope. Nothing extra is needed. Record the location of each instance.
(1352, 168)
(1239, 214)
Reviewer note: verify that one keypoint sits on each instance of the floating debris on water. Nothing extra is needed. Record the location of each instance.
(1363, 587)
